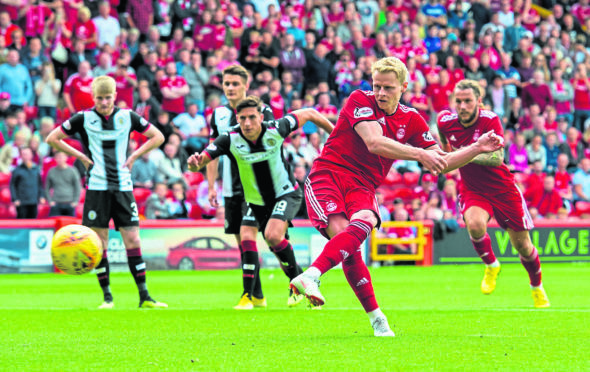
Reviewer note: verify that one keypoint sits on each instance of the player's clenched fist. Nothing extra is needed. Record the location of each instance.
(490, 142)
(196, 162)
(433, 160)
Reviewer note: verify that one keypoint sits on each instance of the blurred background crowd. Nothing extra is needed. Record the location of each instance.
(532, 58)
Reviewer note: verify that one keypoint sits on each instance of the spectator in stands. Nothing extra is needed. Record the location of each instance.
(517, 154)
(144, 173)
(563, 180)
(104, 66)
(77, 90)
(581, 181)
(537, 92)
(318, 67)
(179, 207)
(157, 205)
(140, 14)
(552, 152)
(581, 85)
(47, 90)
(174, 90)
(15, 80)
(33, 58)
(125, 81)
(426, 187)
(537, 152)
(62, 187)
(563, 95)
(107, 26)
(313, 148)
(7, 28)
(46, 125)
(147, 71)
(274, 99)
(26, 188)
(573, 148)
(292, 59)
(196, 77)
(193, 129)
(525, 69)
(169, 167)
(498, 98)
(78, 55)
(148, 107)
(85, 30)
(545, 199)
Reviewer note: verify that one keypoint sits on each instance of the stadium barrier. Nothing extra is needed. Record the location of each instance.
(556, 241)
(420, 234)
(25, 245)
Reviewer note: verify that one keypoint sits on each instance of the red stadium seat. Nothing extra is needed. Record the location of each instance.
(141, 195)
(5, 197)
(393, 179)
(194, 178)
(79, 210)
(32, 112)
(5, 179)
(195, 213)
(582, 207)
(191, 195)
(82, 196)
(43, 211)
(7, 212)
(411, 179)
(406, 194)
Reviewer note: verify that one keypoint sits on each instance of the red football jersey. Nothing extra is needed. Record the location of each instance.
(80, 91)
(475, 177)
(345, 150)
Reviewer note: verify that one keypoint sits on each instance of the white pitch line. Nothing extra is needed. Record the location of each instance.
(324, 309)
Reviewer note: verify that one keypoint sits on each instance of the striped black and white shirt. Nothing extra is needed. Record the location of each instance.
(222, 120)
(106, 142)
(264, 172)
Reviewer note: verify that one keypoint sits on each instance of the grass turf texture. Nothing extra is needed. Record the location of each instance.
(441, 321)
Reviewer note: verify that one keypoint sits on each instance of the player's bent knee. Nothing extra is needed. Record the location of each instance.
(476, 229)
(365, 215)
(274, 238)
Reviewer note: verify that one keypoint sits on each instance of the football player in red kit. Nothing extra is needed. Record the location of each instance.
(372, 130)
(489, 189)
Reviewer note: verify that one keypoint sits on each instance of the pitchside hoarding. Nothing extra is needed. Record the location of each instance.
(555, 241)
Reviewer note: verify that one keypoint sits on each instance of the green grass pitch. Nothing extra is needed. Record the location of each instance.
(441, 320)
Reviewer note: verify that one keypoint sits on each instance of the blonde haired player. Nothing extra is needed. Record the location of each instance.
(105, 131)
(489, 189)
(372, 130)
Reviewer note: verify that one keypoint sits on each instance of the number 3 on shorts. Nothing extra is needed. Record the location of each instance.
(134, 210)
(280, 207)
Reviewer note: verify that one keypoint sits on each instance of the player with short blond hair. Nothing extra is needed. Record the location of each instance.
(373, 129)
(105, 131)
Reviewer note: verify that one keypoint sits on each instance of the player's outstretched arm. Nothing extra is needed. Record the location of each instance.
(490, 159)
(488, 143)
(56, 138)
(372, 134)
(197, 161)
(310, 114)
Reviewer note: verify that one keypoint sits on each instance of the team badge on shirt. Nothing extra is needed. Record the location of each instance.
(363, 112)
(271, 142)
(401, 132)
(476, 135)
(427, 136)
(331, 206)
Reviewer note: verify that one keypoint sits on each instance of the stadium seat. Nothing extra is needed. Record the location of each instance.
(582, 207)
(4, 179)
(7, 212)
(141, 195)
(43, 211)
(5, 197)
(411, 179)
(32, 112)
(393, 179)
(195, 213)
(191, 195)
(406, 194)
(79, 210)
(194, 178)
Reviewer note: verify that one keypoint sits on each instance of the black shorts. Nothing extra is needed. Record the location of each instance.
(101, 206)
(285, 208)
(235, 209)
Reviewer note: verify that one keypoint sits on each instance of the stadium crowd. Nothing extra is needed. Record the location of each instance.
(167, 56)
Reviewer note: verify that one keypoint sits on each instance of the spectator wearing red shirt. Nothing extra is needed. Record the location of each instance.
(418, 100)
(563, 179)
(78, 90)
(537, 92)
(36, 17)
(455, 73)
(439, 92)
(427, 186)
(546, 199)
(85, 30)
(581, 85)
(325, 108)
(174, 88)
(573, 148)
(7, 28)
(432, 70)
(125, 81)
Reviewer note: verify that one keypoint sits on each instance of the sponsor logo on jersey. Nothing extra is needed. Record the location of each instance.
(66, 124)
(363, 112)
(143, 122)
(331, 206)
(381, 121)
(363, 281)
(427, 136)
(212, 147)
(453, 137)
(401, 132)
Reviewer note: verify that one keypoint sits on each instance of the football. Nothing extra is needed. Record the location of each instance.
(76, 249)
